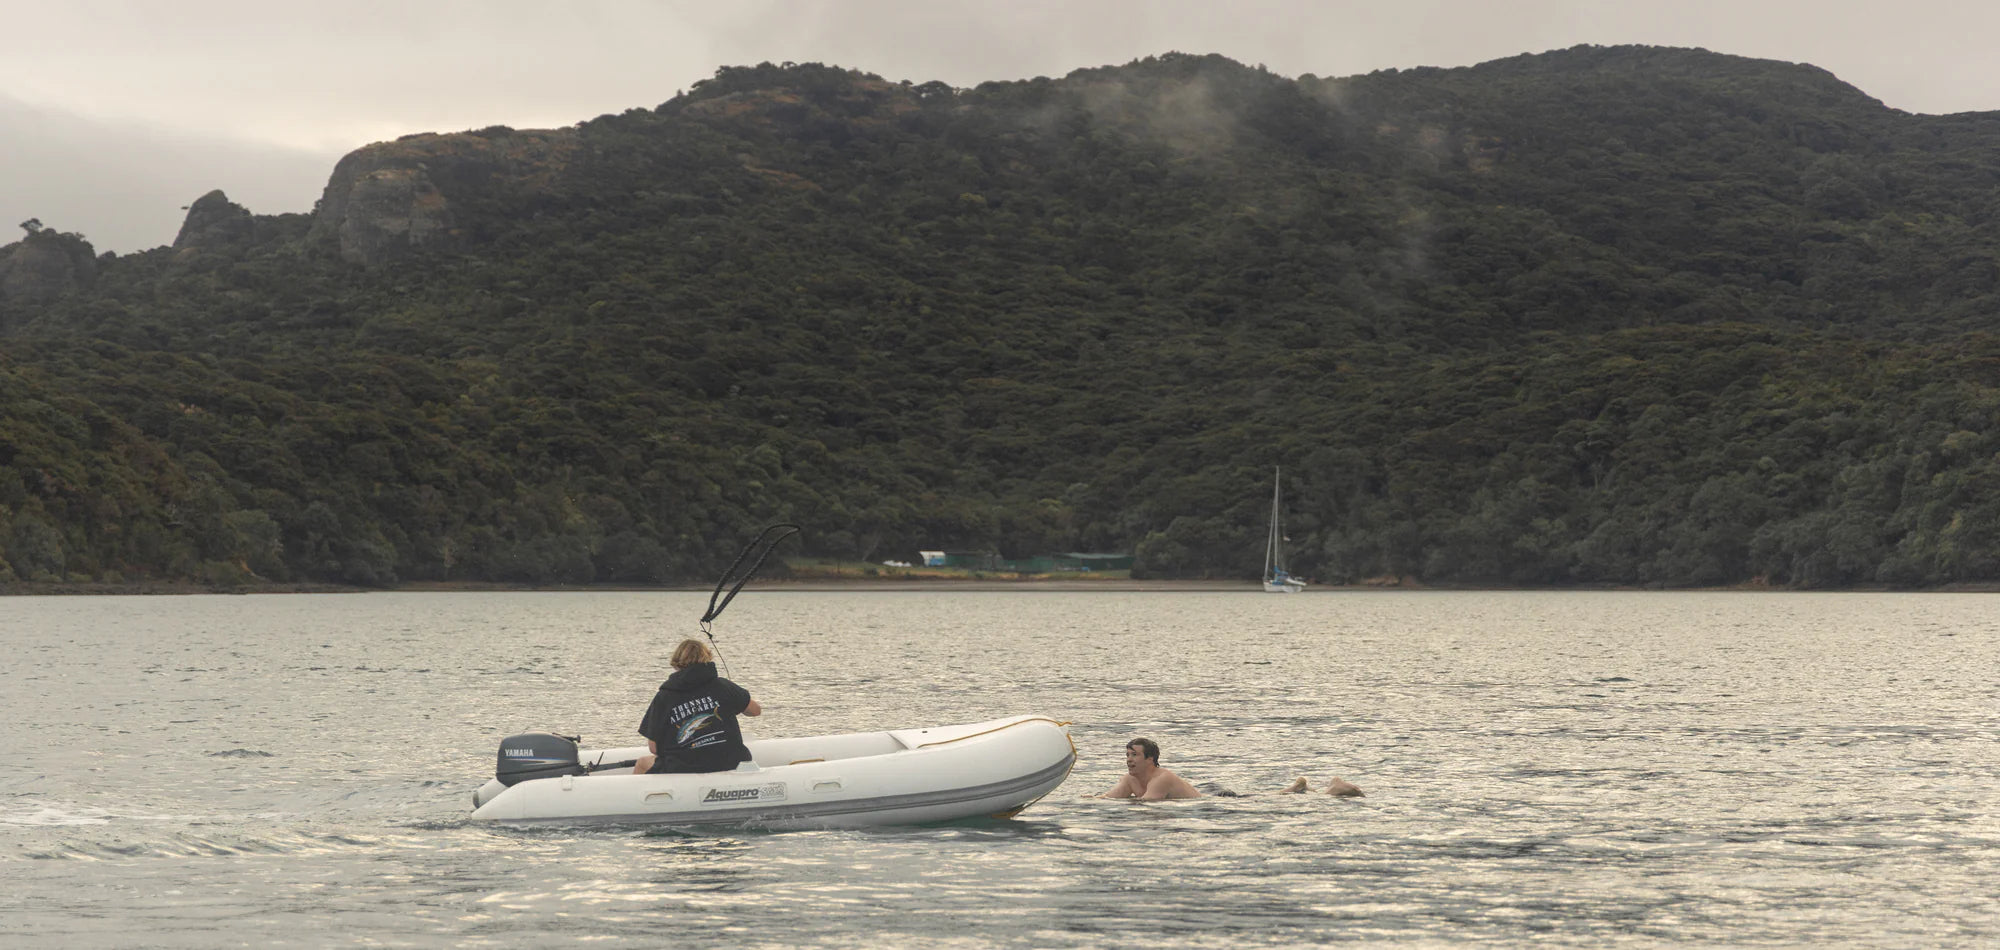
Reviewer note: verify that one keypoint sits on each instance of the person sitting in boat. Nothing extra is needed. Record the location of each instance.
(691, 725)
(1145, 779)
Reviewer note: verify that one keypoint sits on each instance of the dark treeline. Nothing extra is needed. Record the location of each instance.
(1600, 316)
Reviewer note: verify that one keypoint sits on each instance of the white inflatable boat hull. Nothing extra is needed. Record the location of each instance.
(909, 776)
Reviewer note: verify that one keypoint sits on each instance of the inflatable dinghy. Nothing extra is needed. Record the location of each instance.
(908, 776)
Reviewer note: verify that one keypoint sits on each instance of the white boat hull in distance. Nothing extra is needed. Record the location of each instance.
(907, 776)
(1290, 585)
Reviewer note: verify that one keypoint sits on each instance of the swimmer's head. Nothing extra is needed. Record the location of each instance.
(1147, 748)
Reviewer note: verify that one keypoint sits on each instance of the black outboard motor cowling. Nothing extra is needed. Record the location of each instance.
(532, 755)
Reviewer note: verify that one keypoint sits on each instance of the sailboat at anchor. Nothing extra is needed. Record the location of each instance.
(1276, 579)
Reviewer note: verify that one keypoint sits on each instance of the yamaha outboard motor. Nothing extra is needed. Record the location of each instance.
(533, 755)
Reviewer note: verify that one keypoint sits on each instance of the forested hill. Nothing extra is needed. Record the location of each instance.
(1598, 316)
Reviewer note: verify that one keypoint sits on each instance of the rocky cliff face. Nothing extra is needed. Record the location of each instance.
(394, 197)
(45, 265)
(214, 221)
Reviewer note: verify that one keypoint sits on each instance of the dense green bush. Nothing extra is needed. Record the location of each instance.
(1603, 316)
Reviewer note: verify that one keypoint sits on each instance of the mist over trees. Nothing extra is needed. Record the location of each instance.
(1625, 316)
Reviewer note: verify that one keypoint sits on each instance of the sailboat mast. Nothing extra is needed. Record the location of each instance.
(1271, 555)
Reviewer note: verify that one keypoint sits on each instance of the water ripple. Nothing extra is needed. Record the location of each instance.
(1546, 770)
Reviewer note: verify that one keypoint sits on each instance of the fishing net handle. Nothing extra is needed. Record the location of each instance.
(766, 542)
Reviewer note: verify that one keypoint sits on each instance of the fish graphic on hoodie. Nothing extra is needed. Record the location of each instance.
(692, 721)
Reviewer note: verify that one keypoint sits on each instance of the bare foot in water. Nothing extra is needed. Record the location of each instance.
(1298, 786)
(1340, 786)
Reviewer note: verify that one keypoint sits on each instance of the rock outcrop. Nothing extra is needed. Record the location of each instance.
(214, 221)
(45, 265)
(390, 198)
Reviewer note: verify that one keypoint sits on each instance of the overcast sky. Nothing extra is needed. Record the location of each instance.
(115, 113)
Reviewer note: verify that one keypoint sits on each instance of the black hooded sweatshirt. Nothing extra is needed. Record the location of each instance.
(693, 722)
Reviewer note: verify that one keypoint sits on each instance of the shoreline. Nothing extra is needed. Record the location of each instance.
(780, 585)
(903, 585)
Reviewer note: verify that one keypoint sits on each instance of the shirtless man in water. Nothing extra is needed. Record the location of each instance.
(1146, 780)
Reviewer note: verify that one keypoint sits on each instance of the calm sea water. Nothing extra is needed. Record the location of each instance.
(1574, 769)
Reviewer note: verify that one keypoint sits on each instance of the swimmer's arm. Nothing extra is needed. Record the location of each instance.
(1127, 787)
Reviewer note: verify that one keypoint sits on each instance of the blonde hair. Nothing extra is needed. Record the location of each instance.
(690, 652)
